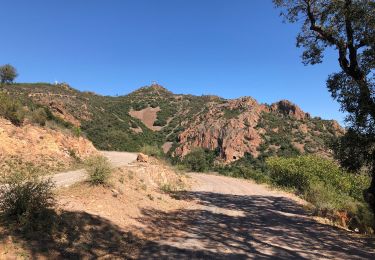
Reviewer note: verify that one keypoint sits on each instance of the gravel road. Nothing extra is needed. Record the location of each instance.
(117, 159)
(239, 219)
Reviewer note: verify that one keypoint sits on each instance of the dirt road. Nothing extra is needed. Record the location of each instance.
(117, 159)
(238, 219)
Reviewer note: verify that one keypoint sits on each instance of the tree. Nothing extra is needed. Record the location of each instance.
(348, 26)
(7, 73)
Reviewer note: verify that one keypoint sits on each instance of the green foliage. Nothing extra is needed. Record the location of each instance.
(231, 113)
(199, 160)
(247, 167)
(323, 183)
(26, 199)
(244, 173)
(299, 172)
(77, 132)
(139, 106)
(152, 150)
(7, 73)
(278, 134)
(39, 116)
(11, 109)
(167, 188)
(349, 28)
(167, 110)
(98, 169)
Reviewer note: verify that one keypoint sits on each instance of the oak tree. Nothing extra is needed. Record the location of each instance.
(347, 26)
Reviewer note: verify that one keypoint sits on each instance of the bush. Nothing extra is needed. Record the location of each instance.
(300, 172)
(245, 173)
(39, 116)
(199, 160)
(27, 200)
(152, 150)
(11, 109)
(332, 191)
(77, 132)
(98, 169)
(229, 113)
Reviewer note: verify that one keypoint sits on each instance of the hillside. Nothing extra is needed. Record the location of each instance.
(33, 140)
(179, 123)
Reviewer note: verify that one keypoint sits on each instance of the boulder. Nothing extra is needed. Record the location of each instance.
(142, 158)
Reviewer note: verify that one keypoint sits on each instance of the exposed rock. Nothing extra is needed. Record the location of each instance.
(142, 158)
(303, 128)
(231, 127)
(41, 147)
(115, 193)
(288, 108)
(233, 137)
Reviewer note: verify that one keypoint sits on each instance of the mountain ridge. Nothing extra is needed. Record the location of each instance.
(181, 123)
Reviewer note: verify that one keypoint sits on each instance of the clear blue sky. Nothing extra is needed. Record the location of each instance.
(230, 48)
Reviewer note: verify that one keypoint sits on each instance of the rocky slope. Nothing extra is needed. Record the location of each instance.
(180, 123)
(31, 146)
(33, 140)
(243, 126)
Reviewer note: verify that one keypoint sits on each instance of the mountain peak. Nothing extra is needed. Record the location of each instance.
(154, 89)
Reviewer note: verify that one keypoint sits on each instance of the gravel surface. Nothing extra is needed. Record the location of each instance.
(117, 159)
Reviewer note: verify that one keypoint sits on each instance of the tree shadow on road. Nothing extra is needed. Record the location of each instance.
(80, 235)
(260, 227)
(223, 227)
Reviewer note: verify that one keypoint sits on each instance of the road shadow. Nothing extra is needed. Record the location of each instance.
(76, 235)
(80, 235)
(243, 227)
(223, 227)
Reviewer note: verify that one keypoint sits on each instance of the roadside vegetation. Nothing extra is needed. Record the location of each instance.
(332, 192)
(27, 201)
(152, 150)
(99, 170)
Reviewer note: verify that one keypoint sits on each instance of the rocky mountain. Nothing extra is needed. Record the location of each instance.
(180, 123)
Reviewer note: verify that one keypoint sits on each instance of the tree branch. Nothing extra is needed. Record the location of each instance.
(323, 34)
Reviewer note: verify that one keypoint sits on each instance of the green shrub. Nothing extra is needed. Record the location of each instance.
(199, 160)
(167, 188)
(323, 183)
(299, 172)
(231, 113)
(11, 109)
(39, 116)
(98, 169)
(77, 132)
(27, 200)
(152, 150)
(245, 173)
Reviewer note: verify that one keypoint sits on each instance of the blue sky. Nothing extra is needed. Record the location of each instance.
(230, 48)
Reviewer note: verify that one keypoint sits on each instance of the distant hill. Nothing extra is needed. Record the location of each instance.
(179, 123)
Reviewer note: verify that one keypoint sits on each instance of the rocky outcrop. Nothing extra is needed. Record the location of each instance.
(237, 127)
(288, 108)
(233, 137)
